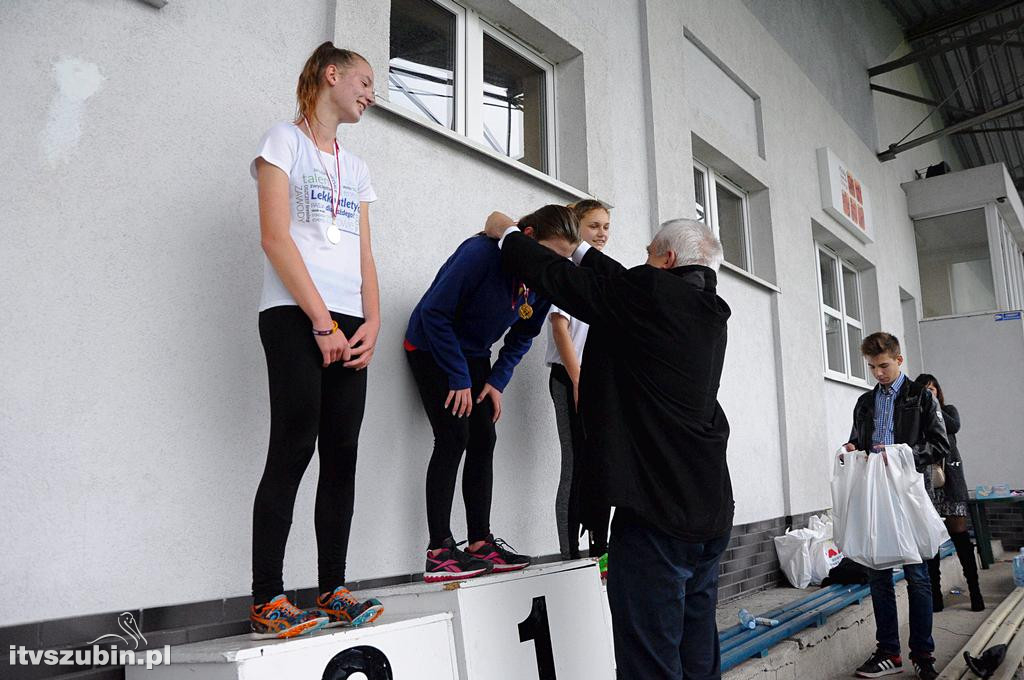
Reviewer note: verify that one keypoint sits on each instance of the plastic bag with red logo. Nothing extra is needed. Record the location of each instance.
(825, 554)
(807, 555)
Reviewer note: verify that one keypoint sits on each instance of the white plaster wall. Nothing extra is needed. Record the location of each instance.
(977, 360)
(134, 417)
(133, 420)
(798, 118)
(750, 400)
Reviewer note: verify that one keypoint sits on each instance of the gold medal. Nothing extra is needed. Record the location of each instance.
(525, 311)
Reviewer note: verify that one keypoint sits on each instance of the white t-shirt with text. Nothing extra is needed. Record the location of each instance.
(334, 268)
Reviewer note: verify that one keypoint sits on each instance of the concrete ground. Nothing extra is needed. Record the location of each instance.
(834, 650)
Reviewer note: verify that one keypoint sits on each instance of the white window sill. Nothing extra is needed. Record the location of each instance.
(398, 111)
(852, 382)
(744, 274)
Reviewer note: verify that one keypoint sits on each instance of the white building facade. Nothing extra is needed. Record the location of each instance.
(134, 411)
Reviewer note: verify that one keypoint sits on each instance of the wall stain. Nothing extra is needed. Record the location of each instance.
(77, 81)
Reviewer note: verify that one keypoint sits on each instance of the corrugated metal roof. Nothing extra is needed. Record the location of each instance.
(982, 70)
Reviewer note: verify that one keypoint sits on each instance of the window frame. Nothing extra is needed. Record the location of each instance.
(841, 314)
(471, 27)
(459, 77)
(712, 179)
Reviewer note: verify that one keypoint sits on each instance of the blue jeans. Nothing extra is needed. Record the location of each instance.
(883, 601)
(662, 592)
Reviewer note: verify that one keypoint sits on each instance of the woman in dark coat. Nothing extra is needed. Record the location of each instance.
(950, 501)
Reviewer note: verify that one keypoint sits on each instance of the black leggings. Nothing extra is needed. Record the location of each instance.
(597, 518)
(309, 405)
(452, 435)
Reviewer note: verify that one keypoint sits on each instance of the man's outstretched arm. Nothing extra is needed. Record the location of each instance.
(581, 291)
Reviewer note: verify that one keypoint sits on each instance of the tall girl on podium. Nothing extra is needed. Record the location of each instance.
(319, 319)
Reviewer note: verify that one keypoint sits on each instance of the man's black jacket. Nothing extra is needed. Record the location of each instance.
(656, 435)
(916, 422)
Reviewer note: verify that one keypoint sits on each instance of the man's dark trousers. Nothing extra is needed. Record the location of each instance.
(919, 597)
(662, 592)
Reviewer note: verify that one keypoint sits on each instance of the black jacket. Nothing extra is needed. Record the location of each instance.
(956, 484)
(916, 422)
(656, 435)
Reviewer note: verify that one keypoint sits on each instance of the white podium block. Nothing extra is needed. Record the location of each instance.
(546, 622)
(395, 648)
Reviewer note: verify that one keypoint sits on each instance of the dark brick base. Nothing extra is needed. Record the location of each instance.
(750, 562)
(1006, 520)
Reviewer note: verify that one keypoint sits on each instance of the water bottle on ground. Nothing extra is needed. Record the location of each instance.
(1018, 569)
(747, 619)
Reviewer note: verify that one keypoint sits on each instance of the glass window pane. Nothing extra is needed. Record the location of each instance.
(953, 258)
(421, 74)
(834, 343)
(850, 293)
(515, 106)
(731, 231)
(853, 338)
(829, 285)
(701, 194)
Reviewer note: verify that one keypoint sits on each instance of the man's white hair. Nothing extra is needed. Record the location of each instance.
(692, 242)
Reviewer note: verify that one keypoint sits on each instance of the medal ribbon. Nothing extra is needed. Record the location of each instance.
(335, 194)
(523, 291)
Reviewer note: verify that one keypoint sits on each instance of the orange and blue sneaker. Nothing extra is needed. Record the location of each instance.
(279, 618)
(342, 609)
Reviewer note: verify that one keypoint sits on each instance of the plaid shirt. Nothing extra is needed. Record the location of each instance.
(885, 397)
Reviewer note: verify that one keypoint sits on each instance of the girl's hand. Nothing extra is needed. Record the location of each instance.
(334, 347)
(461, 401)
(362, 343)
(495, 395)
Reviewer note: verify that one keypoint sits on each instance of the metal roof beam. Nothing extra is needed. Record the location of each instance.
(1012, 128)
(921, 100)
(895, 149)
(917, 55)
(948, 20)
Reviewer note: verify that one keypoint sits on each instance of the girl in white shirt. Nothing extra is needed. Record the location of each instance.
(319, 319)
(565, 353)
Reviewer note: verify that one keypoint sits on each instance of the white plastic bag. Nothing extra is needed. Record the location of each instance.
(825, 554)
(928, 527)
(807, 555)
(793, 549)
(872, 526)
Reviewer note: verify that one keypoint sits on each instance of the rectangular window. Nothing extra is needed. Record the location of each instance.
(451, 68)
(722, 205)
(423, 69)
(700, 192)
(514, 103)
(842, 316)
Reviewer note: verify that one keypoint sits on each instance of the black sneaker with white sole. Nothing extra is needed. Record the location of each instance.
(880, 664)
(925, 667)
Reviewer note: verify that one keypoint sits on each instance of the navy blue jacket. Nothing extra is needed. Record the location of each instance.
(470, 304)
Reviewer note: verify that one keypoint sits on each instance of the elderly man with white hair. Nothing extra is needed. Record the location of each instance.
(656, 435)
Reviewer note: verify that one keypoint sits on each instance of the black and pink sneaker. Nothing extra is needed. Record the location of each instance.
(500, 554)
(452, 564)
